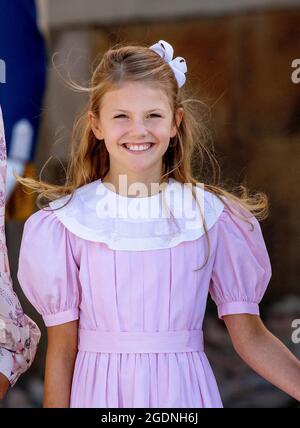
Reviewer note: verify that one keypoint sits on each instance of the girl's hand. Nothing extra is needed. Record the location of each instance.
(4, 385)
(264, 352)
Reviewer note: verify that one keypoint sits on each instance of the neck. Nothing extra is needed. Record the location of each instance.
(130, 184)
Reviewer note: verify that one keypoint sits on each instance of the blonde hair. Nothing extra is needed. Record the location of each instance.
(89, 158)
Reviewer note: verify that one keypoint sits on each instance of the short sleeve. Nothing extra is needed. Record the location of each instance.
(241, 269)
(47, 271)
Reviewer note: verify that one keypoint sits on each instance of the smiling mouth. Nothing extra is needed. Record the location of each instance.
(138, 147)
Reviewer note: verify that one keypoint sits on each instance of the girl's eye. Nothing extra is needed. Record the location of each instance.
(123, 115)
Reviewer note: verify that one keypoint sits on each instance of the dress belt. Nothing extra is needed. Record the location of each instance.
(140, 341)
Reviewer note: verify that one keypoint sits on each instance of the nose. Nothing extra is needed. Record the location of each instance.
(138, 128)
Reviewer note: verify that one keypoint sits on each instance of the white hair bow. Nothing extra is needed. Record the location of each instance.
(178, 64)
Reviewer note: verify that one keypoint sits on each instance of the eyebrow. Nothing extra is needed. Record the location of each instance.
(125, 111)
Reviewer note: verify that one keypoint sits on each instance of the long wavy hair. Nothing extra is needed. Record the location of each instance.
(89, 158)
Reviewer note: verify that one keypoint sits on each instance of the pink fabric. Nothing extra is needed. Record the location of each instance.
(140, 341)
(66, 278)
(19, 335)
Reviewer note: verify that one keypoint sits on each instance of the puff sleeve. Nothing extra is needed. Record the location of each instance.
(241, 269)
(47, 271)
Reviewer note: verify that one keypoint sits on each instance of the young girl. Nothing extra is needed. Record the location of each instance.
(121, 262)
(19, 335)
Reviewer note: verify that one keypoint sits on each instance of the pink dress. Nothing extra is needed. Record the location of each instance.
(139, 302)
(19, 335)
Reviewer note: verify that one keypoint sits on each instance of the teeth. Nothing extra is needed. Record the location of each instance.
(137, 147)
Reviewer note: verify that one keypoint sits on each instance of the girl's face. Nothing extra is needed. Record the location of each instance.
(135, 114)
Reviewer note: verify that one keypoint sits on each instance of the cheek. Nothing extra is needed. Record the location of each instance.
(162, 132)
(112, 135)
(165, 136)
(110, 142)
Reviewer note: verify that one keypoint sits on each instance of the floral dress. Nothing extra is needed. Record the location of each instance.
(19, 335)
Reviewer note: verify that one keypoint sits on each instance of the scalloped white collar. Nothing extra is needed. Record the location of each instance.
(98, 214)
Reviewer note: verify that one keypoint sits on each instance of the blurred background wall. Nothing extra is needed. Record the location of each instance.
(239, 56)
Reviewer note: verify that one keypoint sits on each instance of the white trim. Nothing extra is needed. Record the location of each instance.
(122, 232)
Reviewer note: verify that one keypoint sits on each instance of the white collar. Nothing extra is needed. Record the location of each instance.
(98, 214)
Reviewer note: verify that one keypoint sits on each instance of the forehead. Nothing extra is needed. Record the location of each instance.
(135, 95)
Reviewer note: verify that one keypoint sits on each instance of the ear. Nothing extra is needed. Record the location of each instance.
(95, 125)
(178, 117)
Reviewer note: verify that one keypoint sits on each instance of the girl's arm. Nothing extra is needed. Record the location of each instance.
(60, 360)
(264, 353)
